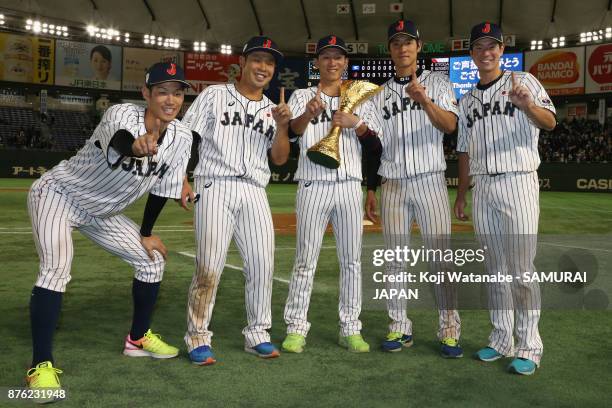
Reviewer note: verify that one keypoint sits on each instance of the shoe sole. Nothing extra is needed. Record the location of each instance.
(487, 360)
(515, 371)
(451, 357)
(274, 354)
(144, 353)
(207, 362)
(395, 350)
(296, 351)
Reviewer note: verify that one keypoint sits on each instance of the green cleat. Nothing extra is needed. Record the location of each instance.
(294, 343)
(354, 343)
(44, 378)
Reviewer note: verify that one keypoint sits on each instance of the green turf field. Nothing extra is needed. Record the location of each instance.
(97, 312)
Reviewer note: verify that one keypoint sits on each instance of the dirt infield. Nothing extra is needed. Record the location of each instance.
(284, 224)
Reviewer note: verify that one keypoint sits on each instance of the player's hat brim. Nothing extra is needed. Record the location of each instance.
(184, 83)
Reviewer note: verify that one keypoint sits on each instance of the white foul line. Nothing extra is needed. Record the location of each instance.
(234, 267)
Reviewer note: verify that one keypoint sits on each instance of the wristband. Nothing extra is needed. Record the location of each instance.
(359, 123)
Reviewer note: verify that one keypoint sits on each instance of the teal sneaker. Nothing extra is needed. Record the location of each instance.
(487, 354)
(522, 366)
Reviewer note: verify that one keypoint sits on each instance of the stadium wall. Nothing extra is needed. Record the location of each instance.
(589, 177)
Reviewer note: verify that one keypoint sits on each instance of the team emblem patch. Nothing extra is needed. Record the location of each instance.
(332, 40)
(487, 28)
(208, 184)
(400, 26)
(546, 101)
(307, 184)
(267, 44)
(172, 69)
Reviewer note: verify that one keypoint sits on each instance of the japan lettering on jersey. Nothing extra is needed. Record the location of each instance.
(412, 145)
(236, 134)
(101, 182)
(318, 128)
(497, 135)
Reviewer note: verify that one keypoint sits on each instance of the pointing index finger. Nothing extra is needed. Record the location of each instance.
(513, 78)
(282, 95)
(318, 95)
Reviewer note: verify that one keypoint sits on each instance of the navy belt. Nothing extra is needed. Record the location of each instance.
(495, 174)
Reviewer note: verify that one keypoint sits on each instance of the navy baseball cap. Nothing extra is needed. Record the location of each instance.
(165, 72)
(486, 30)
(331, 41)
(402, 27)
(265, 44)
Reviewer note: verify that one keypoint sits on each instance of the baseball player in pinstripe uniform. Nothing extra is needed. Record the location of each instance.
(499, 123)
(240, 128)
(131, 152)
(326, 195)
(417, 107)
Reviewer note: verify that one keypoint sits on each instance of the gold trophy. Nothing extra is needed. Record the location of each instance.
(352, 93)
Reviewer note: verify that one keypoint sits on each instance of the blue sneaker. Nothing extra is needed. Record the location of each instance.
(487, 354)
(451, 348)
(202, 355)
(396, 341)
(263, 350)
(523, 366)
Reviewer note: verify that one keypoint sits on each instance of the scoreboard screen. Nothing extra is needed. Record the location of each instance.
(378, 70)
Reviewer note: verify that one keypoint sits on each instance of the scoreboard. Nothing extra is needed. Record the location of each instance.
(379, 70)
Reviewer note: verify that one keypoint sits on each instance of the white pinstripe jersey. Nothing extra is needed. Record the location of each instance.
(497, 135)
(236, 134)
(412, 145)
(102, 183)
(317, 129)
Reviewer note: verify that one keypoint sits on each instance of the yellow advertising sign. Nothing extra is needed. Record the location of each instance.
(26, 59)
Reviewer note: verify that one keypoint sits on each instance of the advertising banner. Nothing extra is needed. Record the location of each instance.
(86, 65)
(599, 68)
(561, 72)
(136, 61)
(26, 59)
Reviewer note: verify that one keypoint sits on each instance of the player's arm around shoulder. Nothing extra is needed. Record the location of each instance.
(530, 97)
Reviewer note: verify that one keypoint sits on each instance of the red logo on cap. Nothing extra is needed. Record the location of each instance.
(332, 40)
(400, 25)
(487, 28)
(172, 69)
(267, 44)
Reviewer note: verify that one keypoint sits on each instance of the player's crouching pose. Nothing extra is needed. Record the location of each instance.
(239, 129)
(499, 123)
(131, 152)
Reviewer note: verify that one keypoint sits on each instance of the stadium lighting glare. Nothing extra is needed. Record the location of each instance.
(558, 42)
(536, 44)
(1, 19)
(199, 46)
(126, 37)
(226, 49)
(608, 32)
(45, 28)
(171, 43)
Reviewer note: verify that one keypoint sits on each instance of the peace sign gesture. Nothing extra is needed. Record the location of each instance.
(146, 145)
(315, 106)
(281, 113)
(519, 95)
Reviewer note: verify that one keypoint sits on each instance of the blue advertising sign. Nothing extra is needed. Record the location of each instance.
(464, 73)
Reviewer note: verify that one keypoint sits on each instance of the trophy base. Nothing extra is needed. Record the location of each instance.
(323, 159)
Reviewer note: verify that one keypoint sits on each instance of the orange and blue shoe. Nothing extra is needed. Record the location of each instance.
(202, 355)
(150, 345)
(263, 350)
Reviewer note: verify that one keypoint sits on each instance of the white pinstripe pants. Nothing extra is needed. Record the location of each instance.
(231, 207)
(54, 216)
(506, 212)
(423, 198)
(317, 203)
